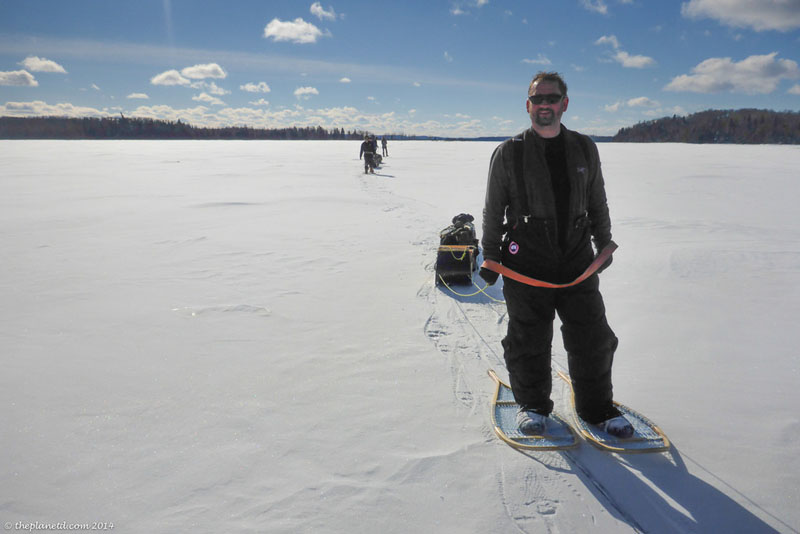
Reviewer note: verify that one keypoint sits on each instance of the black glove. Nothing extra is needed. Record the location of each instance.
(600, 247)
(488, 275)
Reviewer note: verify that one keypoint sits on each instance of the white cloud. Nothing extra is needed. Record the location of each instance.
(318, 11)
(211, 87)
(622, 57)
(638, 102)
(598, 6)
(780, 15)
(196, 72)
(142, 96)
(208, 99)
(18, 78)
(457, 7)
(345, 80)
(39, 108)
(608, 39)
(417, 84)
(448, 57)
(208, 70)
(260, 87)
(752, 75)
(259, 102)
(646, 107)
(197, 116)
(170, 77)
(40, 64)
(297, 31)
(794, 90)
(642, 102)
(633, 62)
(258, 115)
(540, 60)
(305, 92)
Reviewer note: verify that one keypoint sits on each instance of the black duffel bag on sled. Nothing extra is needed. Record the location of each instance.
(458, 252)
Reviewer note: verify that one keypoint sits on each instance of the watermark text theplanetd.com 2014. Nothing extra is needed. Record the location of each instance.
(44, 526)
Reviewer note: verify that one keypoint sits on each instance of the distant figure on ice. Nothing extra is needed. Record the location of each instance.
(548, 185)
(384, 150)
(368, 148)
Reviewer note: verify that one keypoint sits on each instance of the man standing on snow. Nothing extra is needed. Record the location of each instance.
(547, 185)
(367, 150)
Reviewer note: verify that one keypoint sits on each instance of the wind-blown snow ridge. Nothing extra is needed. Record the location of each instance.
(247, 309)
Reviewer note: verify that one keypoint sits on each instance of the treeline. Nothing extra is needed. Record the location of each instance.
(743, 126)
(137, 128)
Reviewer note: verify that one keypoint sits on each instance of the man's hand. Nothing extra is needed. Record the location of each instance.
(488, 275)
(600, 247)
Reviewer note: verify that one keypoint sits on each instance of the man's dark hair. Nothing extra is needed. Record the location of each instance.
(552, 77)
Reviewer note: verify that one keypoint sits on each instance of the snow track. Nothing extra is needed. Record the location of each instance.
(466, 331)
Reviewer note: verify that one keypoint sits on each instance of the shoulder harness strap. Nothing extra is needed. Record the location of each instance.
(518, 145)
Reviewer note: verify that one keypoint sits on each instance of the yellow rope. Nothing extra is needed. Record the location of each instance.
(483, 290)
(463, 254)
(479, 290)
(453, 248)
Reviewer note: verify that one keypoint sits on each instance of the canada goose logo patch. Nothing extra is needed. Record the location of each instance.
(513, 247)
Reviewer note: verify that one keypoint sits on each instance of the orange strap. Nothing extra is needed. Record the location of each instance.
(514, 275)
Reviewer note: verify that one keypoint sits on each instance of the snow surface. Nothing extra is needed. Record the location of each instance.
(246, 337)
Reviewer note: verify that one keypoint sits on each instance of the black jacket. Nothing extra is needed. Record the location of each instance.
(366, 148)
(503, 213)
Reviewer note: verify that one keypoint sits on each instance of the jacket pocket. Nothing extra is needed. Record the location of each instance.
(581, 229)
(528, 248)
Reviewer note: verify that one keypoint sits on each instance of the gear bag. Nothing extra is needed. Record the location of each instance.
(456, 258)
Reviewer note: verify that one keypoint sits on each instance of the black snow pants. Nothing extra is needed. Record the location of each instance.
(588, 339)
(369, 161)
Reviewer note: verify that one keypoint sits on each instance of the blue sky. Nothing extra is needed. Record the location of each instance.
(454, 68)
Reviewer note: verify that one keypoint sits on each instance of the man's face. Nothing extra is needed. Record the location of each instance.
(546, 113)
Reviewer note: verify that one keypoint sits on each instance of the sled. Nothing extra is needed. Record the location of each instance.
(455, 264)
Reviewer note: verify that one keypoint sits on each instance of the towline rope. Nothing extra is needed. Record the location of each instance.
(514, 275)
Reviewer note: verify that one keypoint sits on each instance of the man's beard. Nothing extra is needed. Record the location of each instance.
(546, 119)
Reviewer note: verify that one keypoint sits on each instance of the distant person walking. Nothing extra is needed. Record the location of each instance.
(368, 148)
(547, 195)
(384, 149)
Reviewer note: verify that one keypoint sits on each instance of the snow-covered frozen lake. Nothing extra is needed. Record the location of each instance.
(246, 337)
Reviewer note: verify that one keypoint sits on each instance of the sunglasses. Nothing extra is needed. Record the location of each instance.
(553, 98)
